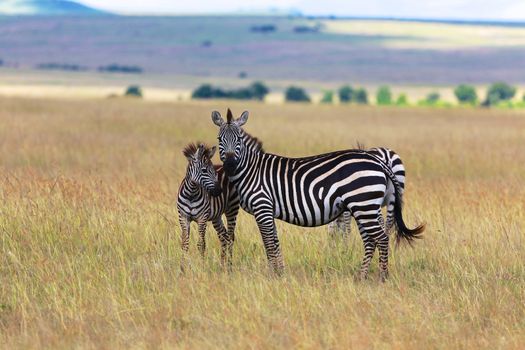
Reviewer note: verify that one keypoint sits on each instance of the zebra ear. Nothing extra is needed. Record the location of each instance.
(217, 119)
(192, 156)
(200, 151)
(242, 119)
(211, 152)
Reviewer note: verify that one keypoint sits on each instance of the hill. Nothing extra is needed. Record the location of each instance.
(46, 7)
(270, 48)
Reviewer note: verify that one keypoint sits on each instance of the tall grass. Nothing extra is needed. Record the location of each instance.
(90, 242)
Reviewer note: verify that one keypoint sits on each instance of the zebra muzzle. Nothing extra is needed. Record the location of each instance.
(216, 190)
(230, 164)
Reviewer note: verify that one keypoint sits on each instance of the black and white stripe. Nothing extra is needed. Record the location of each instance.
(310, 191)
(342, 225)
(204, 195)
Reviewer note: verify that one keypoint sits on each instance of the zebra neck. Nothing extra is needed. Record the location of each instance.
(190, 189)
(248, 161)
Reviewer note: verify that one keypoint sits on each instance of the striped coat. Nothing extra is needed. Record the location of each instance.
(309, 191)
(342, 225)
(205, 194)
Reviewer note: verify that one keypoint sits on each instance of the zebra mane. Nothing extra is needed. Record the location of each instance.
(229, 116)
(192, 148)
(360, 146)
(254, 141)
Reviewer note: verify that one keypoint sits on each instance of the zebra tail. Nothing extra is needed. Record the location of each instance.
(403, 232)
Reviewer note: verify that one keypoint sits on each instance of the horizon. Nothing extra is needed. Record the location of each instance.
(445, 10)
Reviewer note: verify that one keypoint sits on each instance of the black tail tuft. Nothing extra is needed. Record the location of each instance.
(403, 232)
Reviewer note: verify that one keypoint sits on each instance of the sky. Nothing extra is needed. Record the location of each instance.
(442, 9)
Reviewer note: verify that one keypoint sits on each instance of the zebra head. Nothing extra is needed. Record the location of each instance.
(200, 168)
(230, 139)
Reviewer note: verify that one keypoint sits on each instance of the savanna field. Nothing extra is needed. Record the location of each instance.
(90, 249)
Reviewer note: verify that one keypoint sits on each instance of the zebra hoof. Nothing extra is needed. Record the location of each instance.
(277, 271)
(383, 276)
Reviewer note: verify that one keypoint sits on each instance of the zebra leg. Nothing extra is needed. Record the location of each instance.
(383, 258)
(382, 244)
(226, 242)
(341, 226)
(371, 228)
(390, 220)
(266, 224)
(201, 244)
(185, 239)
(370, 247)
(231, 218)
(347, 217)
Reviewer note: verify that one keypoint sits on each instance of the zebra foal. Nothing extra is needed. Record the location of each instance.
(204, 195)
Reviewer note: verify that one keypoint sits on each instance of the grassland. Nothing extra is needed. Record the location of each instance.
(431, 35)
(89, 241)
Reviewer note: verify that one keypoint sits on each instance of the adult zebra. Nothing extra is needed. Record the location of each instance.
(204, 195)
(342, 224)
(310, 191)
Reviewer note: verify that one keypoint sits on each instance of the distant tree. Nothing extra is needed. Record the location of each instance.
(328, 96)
(207, 43)
(307, 29)
(264, 28)
(523, 98)
(402, 100)
(1, 62)
(384, 96)
(499, 92)
(432, 98)
(243, 75)
(203, 91)
(259, 90)
(133, 91)
(361, 96)
(294, 93)
(256, 91)
(61, 66)
(466, 94)
(116, 68)
(346, 94)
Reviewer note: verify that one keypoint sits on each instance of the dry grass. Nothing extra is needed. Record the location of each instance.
(90, 250)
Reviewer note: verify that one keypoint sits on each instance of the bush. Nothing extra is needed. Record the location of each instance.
(116, 68)
(402, 100)
(466, 94)
(346, 94)
(432, 98)
(307, 29)
(361, 96)
(384, 96)
(61, 66)
(499, 92)
(259, 90)
(133, 91)
(256, 91)
(297, 94)
(328, 96)
(203, 91)
(265, 28)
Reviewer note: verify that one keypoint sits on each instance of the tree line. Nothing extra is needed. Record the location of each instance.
(498, 94)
